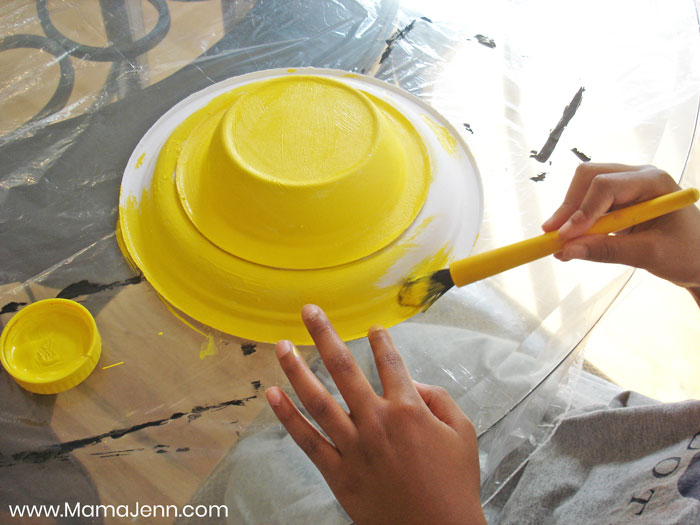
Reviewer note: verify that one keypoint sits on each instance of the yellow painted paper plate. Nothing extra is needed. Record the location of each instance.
(271, 190)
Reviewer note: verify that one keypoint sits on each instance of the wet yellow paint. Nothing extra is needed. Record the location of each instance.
(50, 346)
(208, 348)
(139, 162)
(443, 135)
(112, 366)
(301, 173)
(259, 301)
(122, 248)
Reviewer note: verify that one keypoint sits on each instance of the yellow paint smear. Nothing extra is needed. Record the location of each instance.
(112, 366)
(262, 302)
(443, 135)
(139, 162)
(208, 348)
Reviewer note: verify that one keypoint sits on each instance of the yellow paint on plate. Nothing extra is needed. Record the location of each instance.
(287, 248)
(443, 135)
(139, 162)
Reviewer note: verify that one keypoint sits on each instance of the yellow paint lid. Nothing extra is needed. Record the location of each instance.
(50, 346)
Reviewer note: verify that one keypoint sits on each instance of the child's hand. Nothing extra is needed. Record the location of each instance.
(409, 456)
(668, 246)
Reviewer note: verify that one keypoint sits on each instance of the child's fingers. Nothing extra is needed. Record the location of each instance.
(331, 417)
(322, 453)
(615, 190)
(340, 363)
(396, 381)
(581, 181)
(621, 249)
(446, 409)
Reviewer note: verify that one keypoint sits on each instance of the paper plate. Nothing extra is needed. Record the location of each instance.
(259, 301)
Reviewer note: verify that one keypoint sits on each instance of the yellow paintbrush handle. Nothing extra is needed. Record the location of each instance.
(489, 263)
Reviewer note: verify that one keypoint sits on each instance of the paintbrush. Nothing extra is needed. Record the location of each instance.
(423, 291)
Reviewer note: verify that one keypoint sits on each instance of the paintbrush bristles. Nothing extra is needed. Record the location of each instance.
(424, 291)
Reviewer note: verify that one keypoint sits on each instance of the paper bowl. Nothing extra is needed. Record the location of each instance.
(302, 172)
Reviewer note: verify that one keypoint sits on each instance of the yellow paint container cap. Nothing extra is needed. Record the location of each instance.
(50, 346)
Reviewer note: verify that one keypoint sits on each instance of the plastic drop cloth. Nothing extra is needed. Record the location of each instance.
(534, 86)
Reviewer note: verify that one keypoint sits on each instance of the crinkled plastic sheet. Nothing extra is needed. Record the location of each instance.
(534, 86)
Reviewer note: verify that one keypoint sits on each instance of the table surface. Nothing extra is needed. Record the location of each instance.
(534, 87)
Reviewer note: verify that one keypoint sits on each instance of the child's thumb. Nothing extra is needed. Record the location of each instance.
(631, 250)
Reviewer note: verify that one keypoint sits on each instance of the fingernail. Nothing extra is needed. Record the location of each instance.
(282, 348)
(576, 251)
(311, 312)
(375, 328)
(273, 396)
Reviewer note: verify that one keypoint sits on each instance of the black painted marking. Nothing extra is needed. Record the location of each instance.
(393, 39)
(556, 133)
(256, 384)
(85, 287)
(11, 307)
(60, 450)
(468, 127)
(183, 449)
(485, 41)
(248, 348)
(582, 156)
(539, 177)
(123, 452)
(426, 19)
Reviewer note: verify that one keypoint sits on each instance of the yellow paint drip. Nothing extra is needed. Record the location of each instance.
(139, 162)
(208, 348)
(221, 287)
(443, 135)
(112, 366)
